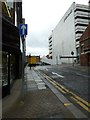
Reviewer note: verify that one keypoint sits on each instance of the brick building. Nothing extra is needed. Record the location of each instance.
(85, 47)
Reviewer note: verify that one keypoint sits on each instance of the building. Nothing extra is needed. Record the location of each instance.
(11, 53)
(85, 47)
(50, 47)
(65, 37)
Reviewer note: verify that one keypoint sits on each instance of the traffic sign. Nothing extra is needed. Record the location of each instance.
(23, 29)
(72, 53)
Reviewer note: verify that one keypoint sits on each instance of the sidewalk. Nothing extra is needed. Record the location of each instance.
(39, 101)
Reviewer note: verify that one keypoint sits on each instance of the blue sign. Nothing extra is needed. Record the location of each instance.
(23, 29)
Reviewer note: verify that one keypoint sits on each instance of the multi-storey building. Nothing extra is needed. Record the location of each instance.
(10, 52)
(50, 47)
(65, 37)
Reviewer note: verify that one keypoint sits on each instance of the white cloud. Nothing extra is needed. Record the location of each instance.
(42, 16)
(36, 51)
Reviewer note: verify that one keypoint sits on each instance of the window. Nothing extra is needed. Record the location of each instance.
(82, 10)
(77, 40)
(88, 18)
(79, 24)
(4, 68)
(79, 32)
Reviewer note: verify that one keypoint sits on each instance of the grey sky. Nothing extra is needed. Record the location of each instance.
(42, 16)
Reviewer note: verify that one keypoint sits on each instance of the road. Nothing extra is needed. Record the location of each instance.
(71, 81)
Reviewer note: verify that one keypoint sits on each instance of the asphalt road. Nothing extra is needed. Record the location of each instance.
(75, 79)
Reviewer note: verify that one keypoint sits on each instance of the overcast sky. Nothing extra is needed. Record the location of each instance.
(42, 16)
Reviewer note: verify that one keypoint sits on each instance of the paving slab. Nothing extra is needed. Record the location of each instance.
(38, 102)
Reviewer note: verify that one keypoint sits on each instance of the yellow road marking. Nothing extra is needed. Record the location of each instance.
(76, 98)
(62, 86)
(57, 86)
(67, 104)
(81, 104)
(79, 98)
(60, 89)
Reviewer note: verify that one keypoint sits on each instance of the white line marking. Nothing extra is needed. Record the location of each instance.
(82, 75)
(57, 74)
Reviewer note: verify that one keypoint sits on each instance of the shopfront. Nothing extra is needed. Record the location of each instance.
(11, 56)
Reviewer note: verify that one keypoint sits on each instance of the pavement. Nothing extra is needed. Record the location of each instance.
(38, 100)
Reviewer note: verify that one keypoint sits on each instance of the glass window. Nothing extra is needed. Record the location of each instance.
(12, 68)
(0, 68)
(4, 68)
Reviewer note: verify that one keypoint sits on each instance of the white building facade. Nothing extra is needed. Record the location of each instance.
(65, 37)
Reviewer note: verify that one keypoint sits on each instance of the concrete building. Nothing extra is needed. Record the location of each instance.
(64, 41)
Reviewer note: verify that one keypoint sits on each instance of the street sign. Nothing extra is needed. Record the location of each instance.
(23, 29)
(72, 53)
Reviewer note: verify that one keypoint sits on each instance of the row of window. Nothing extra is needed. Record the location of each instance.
(82, 10)
(80, 24)
(79, 32)
(50, 53)
(50, 38)
(50, 49)
(77, 40)
(50, 45)
(50, 42)
(82, 17)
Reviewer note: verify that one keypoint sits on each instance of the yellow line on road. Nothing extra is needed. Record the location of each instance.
(74, 95)
(60, 89)
(57, 86)
(81, 104)
(67, 104)
(62, 86)
(80, 99)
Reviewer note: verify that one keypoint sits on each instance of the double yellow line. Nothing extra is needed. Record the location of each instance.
(75, 97)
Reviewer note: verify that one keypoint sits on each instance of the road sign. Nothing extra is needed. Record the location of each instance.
(23, 29)
(72, 53)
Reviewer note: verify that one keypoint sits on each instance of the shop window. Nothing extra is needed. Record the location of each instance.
(12, 68)
(4, 68)
(0, 68)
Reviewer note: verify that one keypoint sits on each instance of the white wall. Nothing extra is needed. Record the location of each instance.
(46, 60)
(64, 37)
